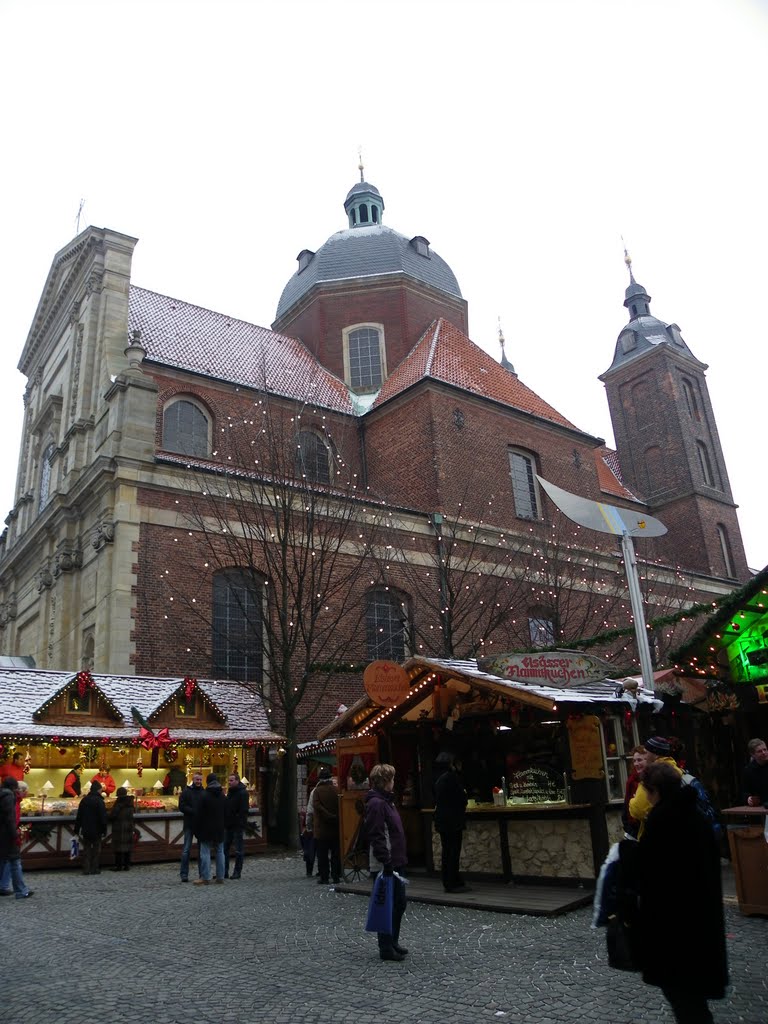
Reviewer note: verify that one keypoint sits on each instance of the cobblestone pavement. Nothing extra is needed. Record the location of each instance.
(275, 948)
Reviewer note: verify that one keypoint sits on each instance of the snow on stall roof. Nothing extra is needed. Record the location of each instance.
(602, 692)
(24, 691)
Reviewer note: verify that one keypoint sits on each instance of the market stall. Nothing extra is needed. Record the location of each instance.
(543, 742)
(147, 735)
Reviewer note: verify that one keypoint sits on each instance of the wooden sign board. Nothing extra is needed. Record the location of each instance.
(586, 747)
(386, 683)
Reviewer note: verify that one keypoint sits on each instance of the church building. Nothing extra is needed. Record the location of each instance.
(133, 398)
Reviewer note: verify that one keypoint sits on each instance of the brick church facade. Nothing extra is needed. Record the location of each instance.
(134, 398)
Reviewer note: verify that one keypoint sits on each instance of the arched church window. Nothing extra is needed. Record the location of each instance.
(313, 458)
(364, 357)
(725, 548)
(238, 625)
(186, 428)
(387, 625)
(363, 214)
(705, 463)
(522, 469)
(690, 400)
(374, 214)
(45, 477)
(654, 468)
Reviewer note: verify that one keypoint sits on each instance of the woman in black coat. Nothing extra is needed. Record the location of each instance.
(121, 817)
(676, 871)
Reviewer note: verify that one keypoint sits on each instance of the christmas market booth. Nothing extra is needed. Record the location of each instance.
(729, 658)
(147, 735)
(544, 743)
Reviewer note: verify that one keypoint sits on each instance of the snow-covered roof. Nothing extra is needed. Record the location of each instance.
(605, 691)
(25, 693)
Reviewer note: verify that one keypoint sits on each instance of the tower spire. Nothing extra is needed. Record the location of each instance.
(360, 165)
(504, 361)
(628, 261)
(636, 298)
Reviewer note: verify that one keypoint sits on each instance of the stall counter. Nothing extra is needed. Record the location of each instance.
(46, 839)
(528, 841)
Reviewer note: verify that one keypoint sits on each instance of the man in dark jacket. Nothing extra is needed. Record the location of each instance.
(325, 808)
(209, 829)
(189, 804)
(10, 843)
(755, 778)
(236, 820)
(91, 826)
(450, 819)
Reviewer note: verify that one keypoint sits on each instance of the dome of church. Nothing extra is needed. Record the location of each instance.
(366, 248)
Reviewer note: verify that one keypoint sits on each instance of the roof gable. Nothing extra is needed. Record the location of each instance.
(25, 694)
(186, 337)
(56, 703)
(446, 354)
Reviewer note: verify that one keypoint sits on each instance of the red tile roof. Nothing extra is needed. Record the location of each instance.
(446, 354)
(175, 333)
(609, 474)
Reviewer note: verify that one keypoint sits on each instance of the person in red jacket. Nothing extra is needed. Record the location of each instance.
(105, 779)
(13, 769)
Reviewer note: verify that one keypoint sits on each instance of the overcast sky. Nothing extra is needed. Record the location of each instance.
(523, 139)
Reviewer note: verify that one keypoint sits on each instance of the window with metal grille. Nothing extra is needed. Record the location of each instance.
(386, 625)
(522, 470)
(364, 355)
(185, 429)
(313, 458)
(238, 624)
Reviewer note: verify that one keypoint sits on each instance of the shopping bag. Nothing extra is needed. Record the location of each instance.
(74, 848)
(380, 905)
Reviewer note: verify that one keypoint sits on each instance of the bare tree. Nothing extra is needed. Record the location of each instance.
(281, 529)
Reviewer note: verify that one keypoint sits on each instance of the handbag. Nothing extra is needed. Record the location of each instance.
(618, 938)
(74, 848)
(380, 905)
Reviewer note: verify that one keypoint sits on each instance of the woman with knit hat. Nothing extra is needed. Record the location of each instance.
(658, 750)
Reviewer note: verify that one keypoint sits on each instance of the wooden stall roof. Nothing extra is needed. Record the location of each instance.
(25, 693)
(547, 698)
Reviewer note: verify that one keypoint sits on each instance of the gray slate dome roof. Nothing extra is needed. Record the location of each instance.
(360, 187)
(367, 251)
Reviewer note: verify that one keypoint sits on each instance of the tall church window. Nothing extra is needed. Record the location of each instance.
(655, 471)
(705, 463)
(387, 623)
(690, 400)
(313, 458)
(725, 548)
(186, 428)
(522, 469)
(364, 357)
(238, 624)
(363, 214)
(541, 627)
(45, 477)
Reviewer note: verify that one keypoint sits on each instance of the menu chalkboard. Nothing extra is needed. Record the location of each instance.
(536, 786)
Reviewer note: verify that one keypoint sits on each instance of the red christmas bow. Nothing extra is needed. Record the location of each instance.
(151, 741)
